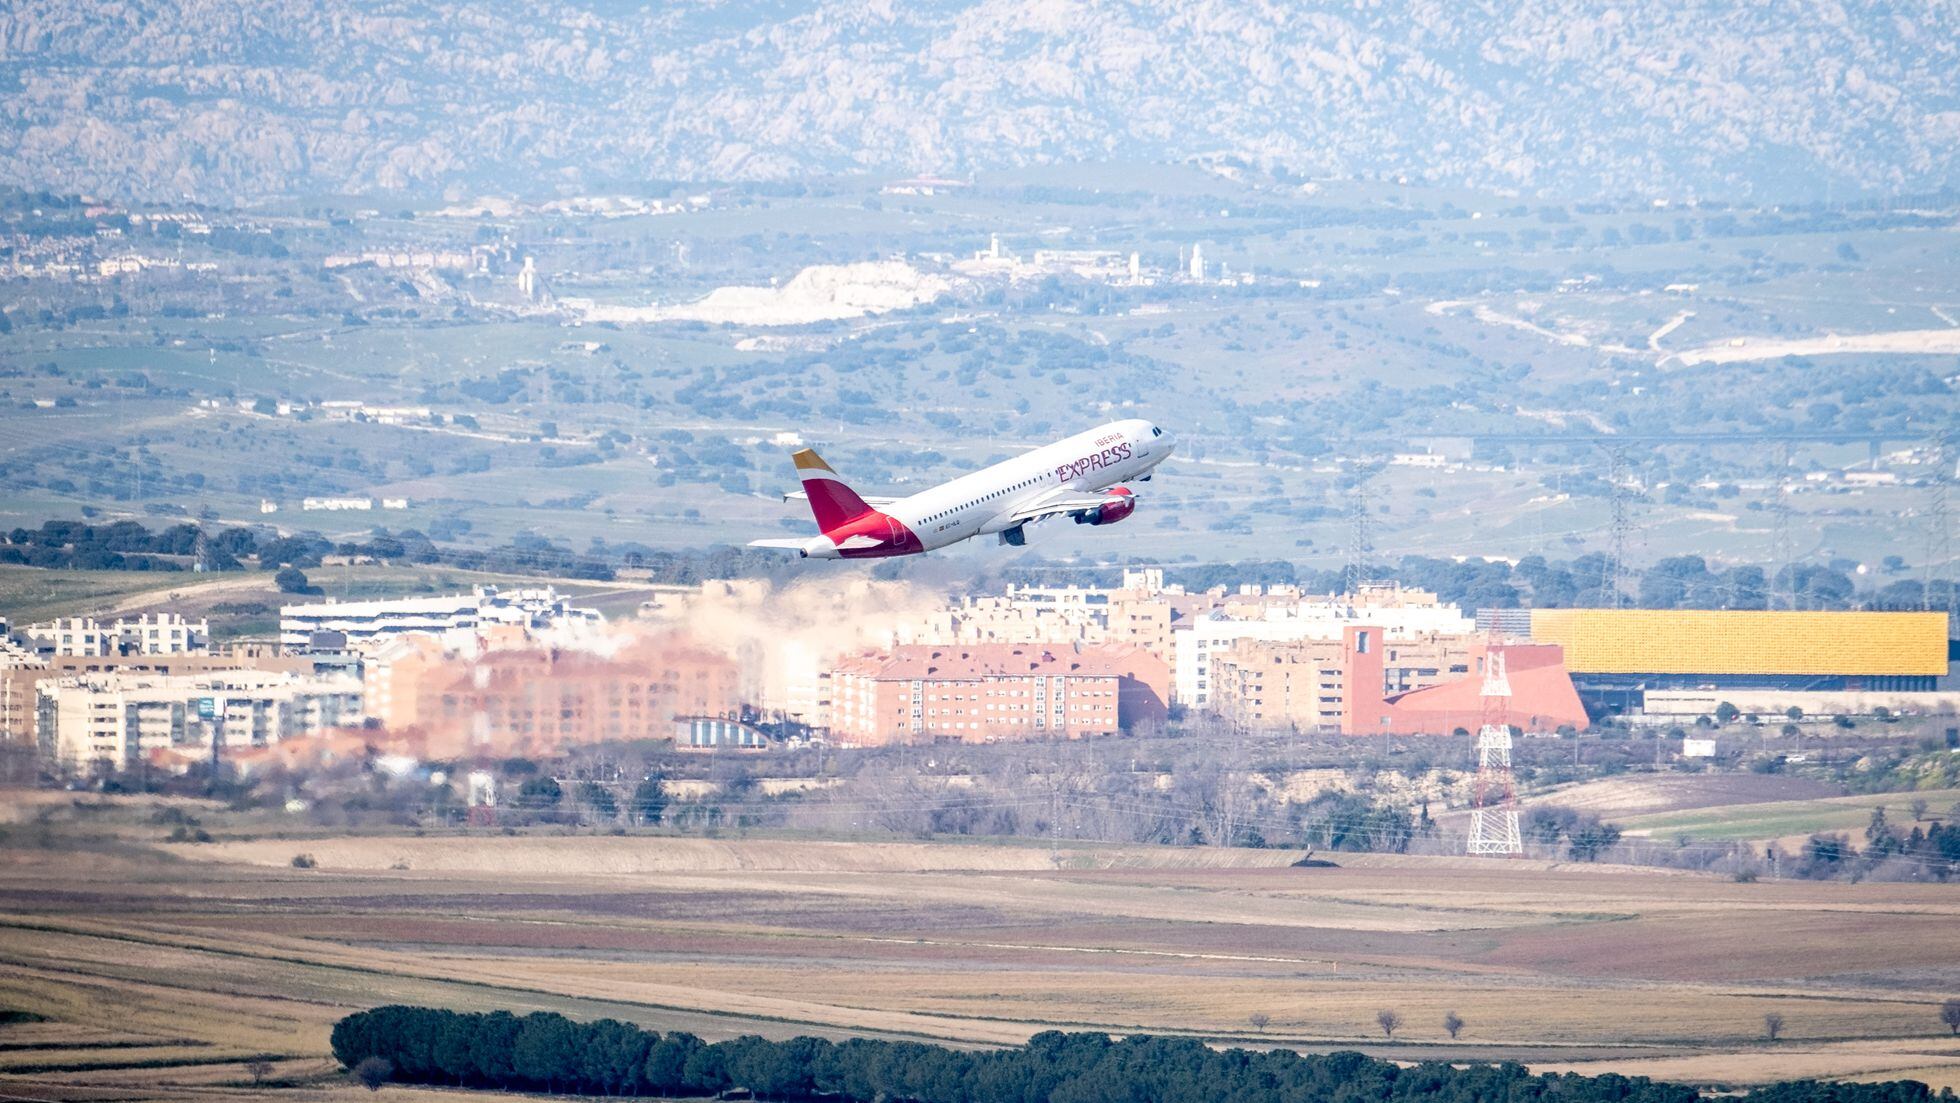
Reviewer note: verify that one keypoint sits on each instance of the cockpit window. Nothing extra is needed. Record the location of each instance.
(1156, 432)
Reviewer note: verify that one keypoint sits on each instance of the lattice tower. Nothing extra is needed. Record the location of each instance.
(1494, 816)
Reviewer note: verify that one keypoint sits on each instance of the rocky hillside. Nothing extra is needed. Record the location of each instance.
(228, 100)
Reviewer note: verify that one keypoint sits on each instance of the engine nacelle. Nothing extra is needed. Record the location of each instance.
(1120, 504)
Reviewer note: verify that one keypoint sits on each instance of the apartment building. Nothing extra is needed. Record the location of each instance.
(536, 699)
(982, 693)
(86, 637)
(110, 720)
(362, 623)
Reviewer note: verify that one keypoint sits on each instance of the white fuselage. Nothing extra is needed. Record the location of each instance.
(988, 500)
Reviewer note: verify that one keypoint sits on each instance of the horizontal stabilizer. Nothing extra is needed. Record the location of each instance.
(795, 544)
(870, 500)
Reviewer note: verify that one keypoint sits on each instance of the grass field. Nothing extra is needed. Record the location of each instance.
(1783, 819)
(160, 971)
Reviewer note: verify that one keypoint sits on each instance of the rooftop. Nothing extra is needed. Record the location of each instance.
(998, 660)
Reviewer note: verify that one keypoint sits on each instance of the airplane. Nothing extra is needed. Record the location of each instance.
(1080, 477)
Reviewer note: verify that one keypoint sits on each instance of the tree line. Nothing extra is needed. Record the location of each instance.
(129, 546)
(1680, 582)
(1677, 582)
(1932, 852)
(545, 1051)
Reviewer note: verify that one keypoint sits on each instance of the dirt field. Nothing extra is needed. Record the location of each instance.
(159, 973)
(1615, 798)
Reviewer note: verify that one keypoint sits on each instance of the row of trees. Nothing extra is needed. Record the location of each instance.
(128, 545)
(1929, 853)
(547, 1052)
(1678, 582)
(1682, 582)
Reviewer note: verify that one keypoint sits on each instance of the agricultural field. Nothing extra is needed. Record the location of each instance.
(169, 965)
(247, 603)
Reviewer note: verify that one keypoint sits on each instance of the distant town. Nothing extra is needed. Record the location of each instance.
(496, 673)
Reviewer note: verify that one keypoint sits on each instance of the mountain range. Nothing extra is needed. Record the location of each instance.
(232, 101)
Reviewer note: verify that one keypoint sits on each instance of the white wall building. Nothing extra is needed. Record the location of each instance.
(112, 720)
(336, 505)
(366, 622)
(1304, 618)
(149, 634)
(163, 634)
(68, 636)
(1025, 614)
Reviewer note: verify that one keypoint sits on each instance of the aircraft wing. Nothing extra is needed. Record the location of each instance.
(870, 500)
(1062, 503)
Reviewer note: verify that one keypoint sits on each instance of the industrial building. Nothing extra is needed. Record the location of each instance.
(1628, 661)
(995, 692)
(698, 733)
(1542, 699)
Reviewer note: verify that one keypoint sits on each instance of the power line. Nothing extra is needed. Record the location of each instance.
(1939, 528)
(1621, 525)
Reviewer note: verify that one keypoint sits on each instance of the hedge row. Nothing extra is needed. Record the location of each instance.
(548, 1052)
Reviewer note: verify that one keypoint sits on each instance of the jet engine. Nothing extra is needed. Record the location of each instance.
(1120, 504)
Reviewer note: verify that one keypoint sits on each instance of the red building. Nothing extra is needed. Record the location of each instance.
(540, 700)
(977, 693)
(1542, 695)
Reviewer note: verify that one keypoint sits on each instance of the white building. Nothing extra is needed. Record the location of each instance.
(365, 622)
(68, 636)
(112, 720)
(1418, 459)
(163, 634)
(1025, 614)
(1398, 613)
(149, 634)
(531, 284)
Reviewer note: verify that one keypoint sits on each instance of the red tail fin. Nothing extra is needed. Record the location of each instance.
(833, 503)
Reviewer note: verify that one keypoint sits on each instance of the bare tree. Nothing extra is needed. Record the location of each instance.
(1390, 1021)
(1950, 1015)
(1259, 1019)
(1772, 1026)
(1452, 1022)
(1216, 785)
(260, 1068)
(1918, 806)
(374, 1072)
